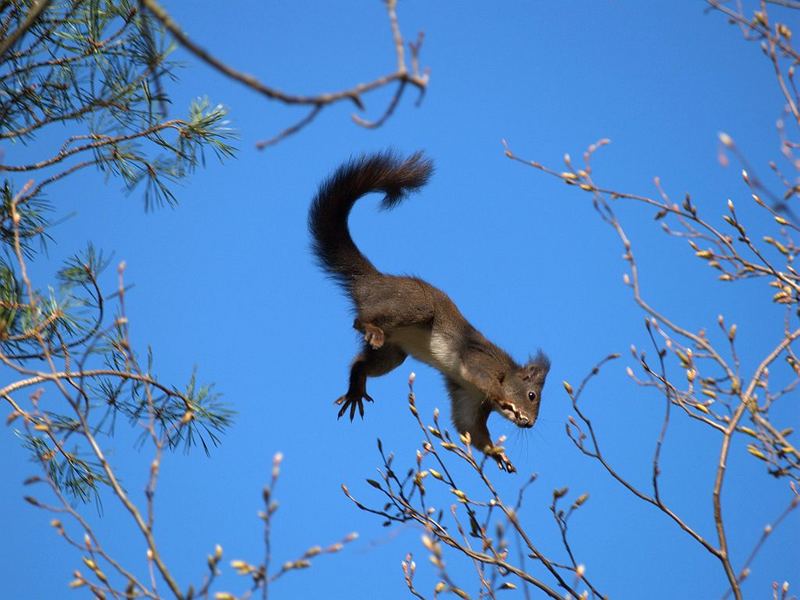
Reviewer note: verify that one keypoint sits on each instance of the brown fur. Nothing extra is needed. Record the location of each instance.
(405, 315)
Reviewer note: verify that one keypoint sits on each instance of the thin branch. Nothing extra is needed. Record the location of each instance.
(38, 7)
(274, 94)
(291, 130)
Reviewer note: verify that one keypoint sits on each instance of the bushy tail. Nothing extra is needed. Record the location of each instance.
(327, 218)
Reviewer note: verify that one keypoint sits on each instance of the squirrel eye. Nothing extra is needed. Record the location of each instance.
(532, 396)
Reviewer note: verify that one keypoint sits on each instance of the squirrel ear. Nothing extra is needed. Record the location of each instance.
(540, 362)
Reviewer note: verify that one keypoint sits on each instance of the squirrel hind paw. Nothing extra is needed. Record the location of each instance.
(353, 403)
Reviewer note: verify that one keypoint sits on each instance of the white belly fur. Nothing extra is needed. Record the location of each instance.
(431, 348)
(440, 352)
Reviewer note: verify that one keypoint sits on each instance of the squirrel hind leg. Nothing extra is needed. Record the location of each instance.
(352, 402)
(370, 362)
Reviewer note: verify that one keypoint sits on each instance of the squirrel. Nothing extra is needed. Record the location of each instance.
(400, 316)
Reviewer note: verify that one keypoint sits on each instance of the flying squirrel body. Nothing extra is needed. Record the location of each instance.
(401, 316)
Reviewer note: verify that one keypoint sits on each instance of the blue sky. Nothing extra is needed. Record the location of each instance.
(226, 282)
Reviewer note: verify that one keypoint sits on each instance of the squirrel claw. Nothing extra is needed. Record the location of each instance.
(504, 464)
(497, 453)
(352, 402)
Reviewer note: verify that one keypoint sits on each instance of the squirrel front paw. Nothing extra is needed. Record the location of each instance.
(497, 453)
(374, 336)
(504, 464)
(352, 401)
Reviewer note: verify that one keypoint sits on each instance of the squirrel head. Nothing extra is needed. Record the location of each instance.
(522, 391)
